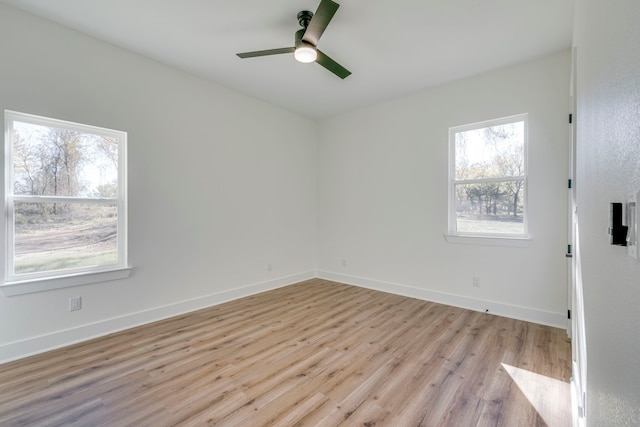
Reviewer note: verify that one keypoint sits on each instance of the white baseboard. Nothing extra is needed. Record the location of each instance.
(40, 344)
(558, 320)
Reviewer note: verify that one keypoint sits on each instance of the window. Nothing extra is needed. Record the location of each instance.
(65, 199)
(488, 178)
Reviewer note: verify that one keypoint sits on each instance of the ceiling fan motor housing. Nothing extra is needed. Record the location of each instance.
(298, 39)
(304, 17)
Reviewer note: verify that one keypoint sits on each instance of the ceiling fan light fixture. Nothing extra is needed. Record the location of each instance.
(305, 53)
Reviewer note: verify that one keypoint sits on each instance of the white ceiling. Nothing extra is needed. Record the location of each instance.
(392, 47)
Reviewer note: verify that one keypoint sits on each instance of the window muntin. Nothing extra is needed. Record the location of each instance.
(487, 186)
(65, 198)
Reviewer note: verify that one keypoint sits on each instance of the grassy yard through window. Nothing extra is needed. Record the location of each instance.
(61, 242)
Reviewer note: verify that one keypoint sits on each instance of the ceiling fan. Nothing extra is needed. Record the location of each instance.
(306, 39)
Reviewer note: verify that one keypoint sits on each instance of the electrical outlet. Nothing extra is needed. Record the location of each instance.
(75, 304)
(476, 281)
(270, 267)
(344, 262)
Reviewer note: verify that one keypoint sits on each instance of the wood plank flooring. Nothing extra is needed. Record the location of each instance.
(317, 353)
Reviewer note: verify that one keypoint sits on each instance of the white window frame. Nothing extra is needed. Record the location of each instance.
(484, 238)
(16, 284)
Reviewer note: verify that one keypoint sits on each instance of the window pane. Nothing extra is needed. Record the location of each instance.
(49, 161)
(495, 207)
(490, 152)
(58, 236)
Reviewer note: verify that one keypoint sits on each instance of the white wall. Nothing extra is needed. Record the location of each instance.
(608, 168)
(220, 185)
(382, 195)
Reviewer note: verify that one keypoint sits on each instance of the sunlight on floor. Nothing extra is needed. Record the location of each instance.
(550, 397)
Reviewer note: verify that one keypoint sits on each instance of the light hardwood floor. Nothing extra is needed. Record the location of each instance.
(317, 353)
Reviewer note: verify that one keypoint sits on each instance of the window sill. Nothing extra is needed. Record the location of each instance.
(23, 287)
(513, 242)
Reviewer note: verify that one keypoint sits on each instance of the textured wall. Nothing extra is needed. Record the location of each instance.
(608, 168)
